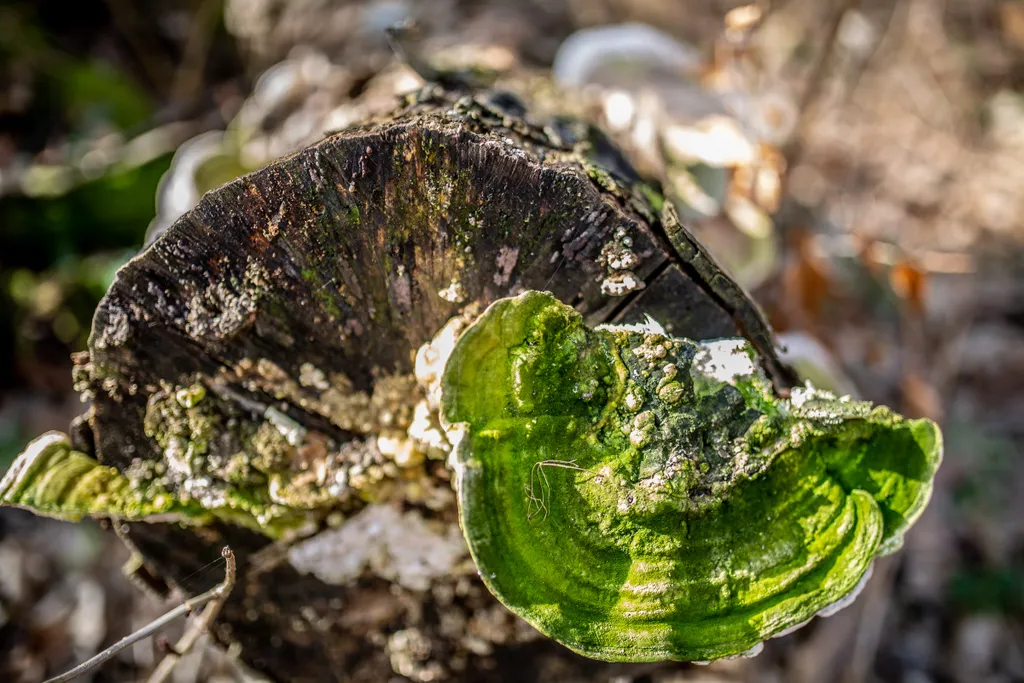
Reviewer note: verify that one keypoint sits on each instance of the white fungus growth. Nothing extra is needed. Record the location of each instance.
(648, 326)
(395, 546)
(724, 360)
(621, 283)
(454, 293)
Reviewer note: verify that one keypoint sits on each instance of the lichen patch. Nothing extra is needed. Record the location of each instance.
(505, 262)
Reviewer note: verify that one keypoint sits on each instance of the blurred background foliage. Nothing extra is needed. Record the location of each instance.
(94, 99)
(859, 166)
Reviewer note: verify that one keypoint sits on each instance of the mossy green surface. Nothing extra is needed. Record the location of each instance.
(51, 479)
(639, 498)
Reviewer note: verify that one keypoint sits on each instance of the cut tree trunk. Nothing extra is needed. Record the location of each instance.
(340, 262)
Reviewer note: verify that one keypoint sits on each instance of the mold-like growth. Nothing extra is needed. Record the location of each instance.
(251, 473)
(641, 497)
(404, 548)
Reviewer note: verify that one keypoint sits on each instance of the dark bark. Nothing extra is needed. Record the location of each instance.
(337, 257)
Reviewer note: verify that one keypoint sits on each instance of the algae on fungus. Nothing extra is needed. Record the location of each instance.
(51, 479)
(639, 497)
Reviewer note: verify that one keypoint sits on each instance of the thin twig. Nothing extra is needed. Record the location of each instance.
(218, 592)
(201, 626)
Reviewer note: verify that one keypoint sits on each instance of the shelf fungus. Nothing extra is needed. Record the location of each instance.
(51, 479)
(639, 497)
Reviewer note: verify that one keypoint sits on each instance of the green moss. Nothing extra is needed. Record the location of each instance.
(254, 486)
(324, 295)
(639, 497)
(601, 177)
(189, 397)
(271, 450)
(653, 196)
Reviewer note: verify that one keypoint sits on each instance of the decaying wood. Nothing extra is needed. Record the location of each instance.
(346, 258)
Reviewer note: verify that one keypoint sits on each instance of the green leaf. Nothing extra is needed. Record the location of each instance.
(638, 497)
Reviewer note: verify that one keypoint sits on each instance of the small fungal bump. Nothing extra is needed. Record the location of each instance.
(313, 377)
(290, 429)
(621, 283)
(189, 397)
(454, 293)
(671, 393)
(639, 437)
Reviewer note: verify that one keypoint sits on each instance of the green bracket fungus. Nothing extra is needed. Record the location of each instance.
(51, 479)
(639, 497)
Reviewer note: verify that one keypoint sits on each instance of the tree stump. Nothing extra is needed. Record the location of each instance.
(296, 298)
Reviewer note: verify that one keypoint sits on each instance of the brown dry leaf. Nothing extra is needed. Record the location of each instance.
(910, 284)
(807, 280)
(1011, 19)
